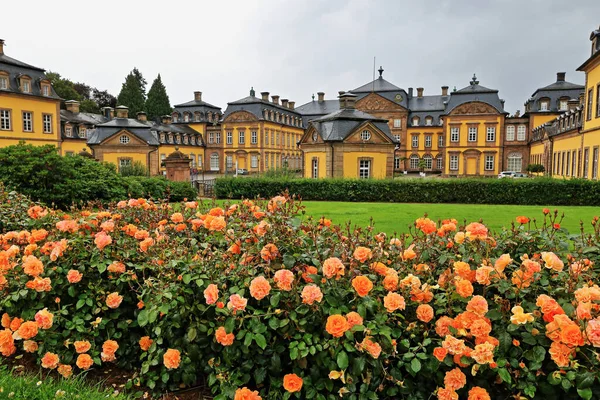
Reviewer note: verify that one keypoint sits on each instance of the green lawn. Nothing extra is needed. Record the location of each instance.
(390, 217)
(43, 387)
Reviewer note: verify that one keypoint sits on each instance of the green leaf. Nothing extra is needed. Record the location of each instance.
(260, 340)
(585, 379)
(505, 375)
(229, 325)
(539, 353)
(585, 393)
(71, 291)
(342, 360)
(274, 300)
(289, 261)
(415, 365)
(294, 353)
(80, 304)
(191, 335)
(143, 318)
(101, 267)
(187, 278)
(358, 365)
(259, 375)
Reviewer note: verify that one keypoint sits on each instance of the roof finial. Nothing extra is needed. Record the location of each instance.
(380, 72)
(252, 93)
(313, 97)
(474, 81)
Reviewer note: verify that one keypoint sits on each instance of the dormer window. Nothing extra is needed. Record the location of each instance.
(68, 131)
(3, 80)
(197, 117)
(428, 121)
(415, 121)
(177, 139)
(186, 117)
(170, 138)
(124, 139)
(162, 137)
(26, 85)
(563, 105)
(544, 105)
(46, 88)
(175, 117)
(185, 139)
(82, 132)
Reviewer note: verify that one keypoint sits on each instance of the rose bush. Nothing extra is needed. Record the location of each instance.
(259, 303)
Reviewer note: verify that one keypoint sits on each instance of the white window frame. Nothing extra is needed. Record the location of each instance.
(595, 163)
(124, 162)
(428, 121)
(124, 139)
(415, 121)
(454, 134)
(82, 132)
(5, 120)
(490, 134)
(428, 161)
(45, 90)
(242, 137)
(26, 86)
(439, 163)
(218, 138)
(315, 168)
(472, 136)
(453, 163)
(253, 161)
(47, 123)
(364, 169)
(397, 137)
(428, 141)
(515, 162)
(254, 137)
(3, 82)
(489, 163)
(68, 131)
(396, 162)
(521, 133)
(544, 105)
(414, 161)
(228, 163)
(211, 137)
(510, 133)
(563, 105)
(229, 137)
(441, 141)
(398, 123)
(27, 121)
(415, 141)
(214, 162)
(365, 135)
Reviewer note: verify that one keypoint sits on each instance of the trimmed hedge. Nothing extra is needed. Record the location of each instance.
(541, 191)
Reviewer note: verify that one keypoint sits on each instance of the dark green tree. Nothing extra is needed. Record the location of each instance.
(63, 87)
(158, 102)
(103, 98)
(133, 92)
(89, 106)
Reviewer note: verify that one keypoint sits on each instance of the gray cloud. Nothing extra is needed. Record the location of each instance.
(296, 48)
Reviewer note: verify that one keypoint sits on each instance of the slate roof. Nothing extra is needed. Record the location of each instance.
(256, 105)
(338, 125)
(427, 106)
(15, 69)
(316, 109)
(139, 129)
(554, 92)
(475, 92)
(82, 118)
(195, 103)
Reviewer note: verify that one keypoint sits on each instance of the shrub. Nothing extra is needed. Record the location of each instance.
(280, 173)
(535, 168)
(136, 169)
(250, 296)
(543, 191)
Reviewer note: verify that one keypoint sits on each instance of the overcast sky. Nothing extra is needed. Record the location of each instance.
(297, 48)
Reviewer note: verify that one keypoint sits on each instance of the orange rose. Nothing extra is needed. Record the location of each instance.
(424, 313)
(390, 282)
(446, 394)
(393, 301)
(440, 353)
(28, 330)
(109, 348)
(171, 359)
(409, 253)
(30, 346)
(455, 379)
(15, 324)
(114, 300)
(333, 267)
(50, 360)
(311, 293)
(552, 261)
(145, 244)
(373, 348)
(379, 268)
(362, 285)
(284, 279)
(362, 254)
(217, 224)
(464, 288)
(224, 338)
(82, 346)
(84, 361)
(475, 231)
(145, 343)
(522, 220)
(426, 225)
(336, 325)
(478, 393)
(259, 288)
(483, 353)
(44, 319)
(292, 383)
(116, 267)
(102, 240)
(74, 276)
(246, 394)
(32, 266)
(177, 218)
(269, 252)
(237, 303)
(454, 345)
(211, 294)
(478, 305)
(353, 319)
(65, 370)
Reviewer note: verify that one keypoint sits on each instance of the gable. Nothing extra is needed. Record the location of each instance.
(115, 139)
(376, 135)
(375, 102)
(474, 107)
(240, 116)
(309, 136)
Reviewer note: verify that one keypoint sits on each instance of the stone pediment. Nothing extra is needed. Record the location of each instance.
(115, 140)
(377, 137)
(474, 107)
(311, 136)
(375, 102)
(240, 116)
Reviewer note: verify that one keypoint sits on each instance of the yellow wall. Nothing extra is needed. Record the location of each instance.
(198, 127)
(592, 82)
(540, 119)
(74, 146)
(560, 146)
(36, 105)
(187, 150)
(377, 166)
(308, 157)
(114, 158)
(536, 152)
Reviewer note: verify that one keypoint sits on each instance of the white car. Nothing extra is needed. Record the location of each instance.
(506, 174)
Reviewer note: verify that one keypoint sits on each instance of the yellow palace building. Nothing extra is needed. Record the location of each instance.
(29, 106)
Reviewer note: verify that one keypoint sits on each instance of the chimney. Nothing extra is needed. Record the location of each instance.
(517, 113)
(1, 46)
(165, 119)
(560, 76)
(275, 99)
(141, 116)
(73, 106)
(198, 96)
(108, 112)
(419, 92)
(265, 96)
(291, 105)
(122, 112)
(347, 100)
(321, 97)
(572, 104)
(284, 102)
(410, 92)
(444, 90)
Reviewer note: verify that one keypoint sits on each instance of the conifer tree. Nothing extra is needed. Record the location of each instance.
(157, 103)
(133, 93)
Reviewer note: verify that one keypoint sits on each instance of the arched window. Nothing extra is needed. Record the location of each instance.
(162, 137)
(197, 116)
(177, 139)
(428, 161)
(414, 161)
(186, 117)
(170, 138)
(428, 121)
(415, 121)
(175, 117)
(214, 162)
(515, 162)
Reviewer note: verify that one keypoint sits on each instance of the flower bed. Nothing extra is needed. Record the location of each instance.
(262, 304)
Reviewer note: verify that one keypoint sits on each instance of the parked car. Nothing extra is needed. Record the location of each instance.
(506, 174)
(242, 171)
(520, 175)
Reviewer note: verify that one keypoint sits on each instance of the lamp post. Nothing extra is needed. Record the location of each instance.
(258, 157)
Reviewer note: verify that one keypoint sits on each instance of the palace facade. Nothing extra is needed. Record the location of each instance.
(376, 130)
